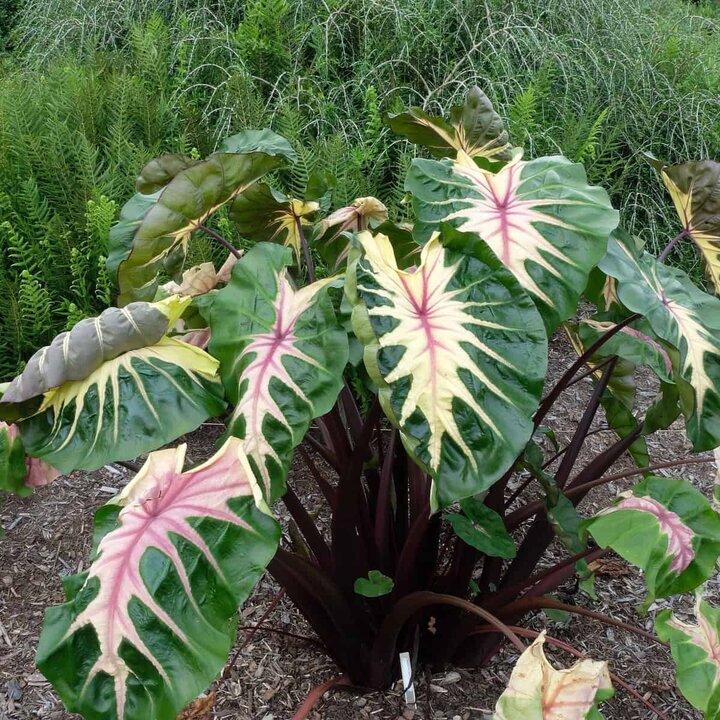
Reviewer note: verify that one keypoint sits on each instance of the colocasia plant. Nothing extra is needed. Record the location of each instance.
(406, 366)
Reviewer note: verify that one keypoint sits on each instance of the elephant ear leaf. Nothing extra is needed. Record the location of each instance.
(683, 316)
(695, 191)
(19, 473)
(668, 529)
(160, 171)
(474, 128)
(264, 214)
(282, 354)
(152, 624)
(459, 352)
(537, 691)
(695, 649)
(112, 388)
(164, 222)
(540, 218)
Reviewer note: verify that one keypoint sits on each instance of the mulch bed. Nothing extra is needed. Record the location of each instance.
(48, 537)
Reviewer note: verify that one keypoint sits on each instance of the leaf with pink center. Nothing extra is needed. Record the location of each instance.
(282, 354)
(541, 219)
(151, 625)
(459, 352)
(683, 316)
(20, 473)
(695, 648)
(668, 529)
(537, 691)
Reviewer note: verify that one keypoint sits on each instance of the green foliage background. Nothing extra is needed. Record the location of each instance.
(90, 90)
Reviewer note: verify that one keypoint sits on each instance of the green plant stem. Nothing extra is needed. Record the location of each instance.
(671, 245)
(219, 238)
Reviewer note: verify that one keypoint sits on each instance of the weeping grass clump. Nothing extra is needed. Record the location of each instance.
(94, 89)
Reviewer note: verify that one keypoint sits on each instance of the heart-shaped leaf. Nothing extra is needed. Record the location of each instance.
(151, 624)
(668, 529)
(282, 355)
(459, 352)
(165, 221)
(541, 219)
(374, 585)
(482, 528)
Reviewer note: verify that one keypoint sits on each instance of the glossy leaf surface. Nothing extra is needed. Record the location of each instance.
(282, 355)
(151, 625)
(459, 352)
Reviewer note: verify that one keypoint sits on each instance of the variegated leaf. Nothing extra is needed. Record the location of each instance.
(474, 128)
(180, 207)
(682, 315)
(668, 529)
(537, 691)
(263, 214)
(20, 473)
(541, 219)
(695, 648)
(459, 352)
(695, 190)
(201, 279)
(152, 623)
(112, 388)
(333, 233)
(282, 355)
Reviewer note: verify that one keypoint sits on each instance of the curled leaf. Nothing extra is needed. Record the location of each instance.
(112, 388)
(537, 691)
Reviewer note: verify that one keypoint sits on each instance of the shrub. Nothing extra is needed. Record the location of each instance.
(443, 497)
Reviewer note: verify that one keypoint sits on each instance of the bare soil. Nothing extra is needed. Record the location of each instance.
(48, 537)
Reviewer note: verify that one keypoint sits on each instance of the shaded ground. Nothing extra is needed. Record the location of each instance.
(48, 537)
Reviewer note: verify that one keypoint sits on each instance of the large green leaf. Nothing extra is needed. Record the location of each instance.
(541, 218)
(282, 355)
(164, 229)
(459, 352)
(668, 529)
(695, 190)
(160, 171)
(537, 691)
(696, 651)
(474, 128)
(112, 388)
(153, 621)
(682, 315)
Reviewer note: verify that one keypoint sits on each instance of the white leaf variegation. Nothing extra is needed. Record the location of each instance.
(459, 352)
(150, 625)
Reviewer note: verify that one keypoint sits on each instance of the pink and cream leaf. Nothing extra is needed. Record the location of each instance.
(152, 620)
(695, 648)
(540, 218)
(668, 529)
(459, 352)
(282, 356)
(537, 691)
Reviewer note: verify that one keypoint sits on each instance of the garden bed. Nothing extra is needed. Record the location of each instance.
(47, 537)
